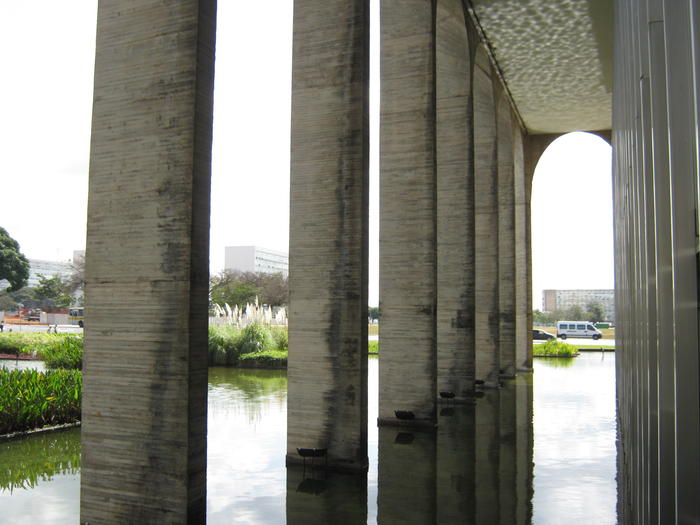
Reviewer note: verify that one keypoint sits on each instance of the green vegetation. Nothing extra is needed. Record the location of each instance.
(373, 347)
(26, 462)
(27, 343)
(66, 353)
(593, 313)
(238, 288)
(31, 399)
(253, 345)
(14, 266)
(554, 348)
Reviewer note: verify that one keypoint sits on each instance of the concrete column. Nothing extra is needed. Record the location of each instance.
(487, 454)
(407, 237)
(407, 471)
(455, 203)
(455, 482)
(487, 360)
(145, 367)
(314, 496)
(506, 237)
(327, 368)
(523, 335)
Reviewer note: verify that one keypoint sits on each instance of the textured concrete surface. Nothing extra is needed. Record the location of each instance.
(486, 224)
(145, 368)
(523, 335)
(455, 203)
(327, 366)
(407, 237)
(506, 237)
(556, 57)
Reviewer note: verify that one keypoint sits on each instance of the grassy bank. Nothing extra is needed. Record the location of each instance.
(254, 346)
(554, 348)
(30, 399)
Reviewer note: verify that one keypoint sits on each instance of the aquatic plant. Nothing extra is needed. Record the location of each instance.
(65, 353)
(554, 348)
(31, 399)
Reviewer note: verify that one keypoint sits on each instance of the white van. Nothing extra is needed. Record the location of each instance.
(577, 329)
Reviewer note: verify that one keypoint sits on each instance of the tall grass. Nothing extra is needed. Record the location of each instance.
(27, 343)
(31, 399)
(227, 343)
(554, 348)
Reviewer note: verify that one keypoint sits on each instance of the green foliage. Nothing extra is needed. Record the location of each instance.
(554, 348)
(234, 293)
(31, 399)
(238, 288)
(594, 312)
(228, 344)
(26, 462)
(543, 318)
(52, 291)
(373, 312)
(280, 337)
(373, 347)
(14, 266)
(264, 358)
(66, 353)
(27, 343)
(256, 338)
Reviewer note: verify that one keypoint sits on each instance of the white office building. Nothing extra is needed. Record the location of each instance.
(562, 299)
(256, 259)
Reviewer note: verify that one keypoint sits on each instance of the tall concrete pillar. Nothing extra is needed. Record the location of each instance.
(407, 237)
(145, 368)
(327, 368)
(487, 359)
(407, 470)
(506, 237)
(523, 336)
(455, 203)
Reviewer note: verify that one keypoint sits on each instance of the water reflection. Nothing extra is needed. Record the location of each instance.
(475, 467)
(19, 364)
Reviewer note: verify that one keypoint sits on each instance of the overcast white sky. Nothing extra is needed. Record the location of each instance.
(45, 110)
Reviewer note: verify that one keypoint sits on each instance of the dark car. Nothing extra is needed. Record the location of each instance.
(541, 335)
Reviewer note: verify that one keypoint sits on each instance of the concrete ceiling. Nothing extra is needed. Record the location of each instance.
(556, 58)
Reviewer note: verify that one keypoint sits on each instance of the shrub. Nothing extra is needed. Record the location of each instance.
(555, 348)
(31, 399)
(373, 347)
(256, 338)
(65, 353)
(26, 343)
(280, 337)
(224, 345)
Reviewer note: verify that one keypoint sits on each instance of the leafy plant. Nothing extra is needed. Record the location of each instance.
(555, 348)
(256, 338)
(31, 399)
(65, 353)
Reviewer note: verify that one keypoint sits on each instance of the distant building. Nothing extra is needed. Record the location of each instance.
(48, 269)
(563, 299)
(256, 259)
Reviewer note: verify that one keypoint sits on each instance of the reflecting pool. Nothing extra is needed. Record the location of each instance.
(477, 467)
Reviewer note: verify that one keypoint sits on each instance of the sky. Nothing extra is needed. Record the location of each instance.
(45, 111)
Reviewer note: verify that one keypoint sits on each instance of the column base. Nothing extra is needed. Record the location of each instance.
(406, 423)
(333, 464)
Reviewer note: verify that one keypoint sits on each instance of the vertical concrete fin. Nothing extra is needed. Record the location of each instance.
(145, 369)
(327, 369)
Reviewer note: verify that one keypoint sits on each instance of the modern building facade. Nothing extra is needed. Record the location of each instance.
(472, 94)
(48, 269)
(562, 299)
(256, 259)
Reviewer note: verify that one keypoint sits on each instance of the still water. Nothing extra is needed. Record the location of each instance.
(476, 468)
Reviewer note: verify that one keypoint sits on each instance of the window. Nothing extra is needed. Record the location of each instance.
(580, 327)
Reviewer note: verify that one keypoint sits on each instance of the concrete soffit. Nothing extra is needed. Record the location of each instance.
(554, 59)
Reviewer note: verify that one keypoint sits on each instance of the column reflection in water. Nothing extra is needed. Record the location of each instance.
(317, 496)
(475, 468)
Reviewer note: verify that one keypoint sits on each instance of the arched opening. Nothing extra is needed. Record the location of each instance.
(572, 258)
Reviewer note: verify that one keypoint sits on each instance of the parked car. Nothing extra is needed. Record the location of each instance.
(541, 335)
(577, 329)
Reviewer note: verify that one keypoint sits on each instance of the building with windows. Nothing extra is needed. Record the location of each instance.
(562, 299)
(256, 259)
(48, 269)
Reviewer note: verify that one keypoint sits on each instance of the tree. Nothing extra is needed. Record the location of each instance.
(14, 266)
(595, 312)
(542, 318)
(373, 313)
(52, 291)
(235, 287)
